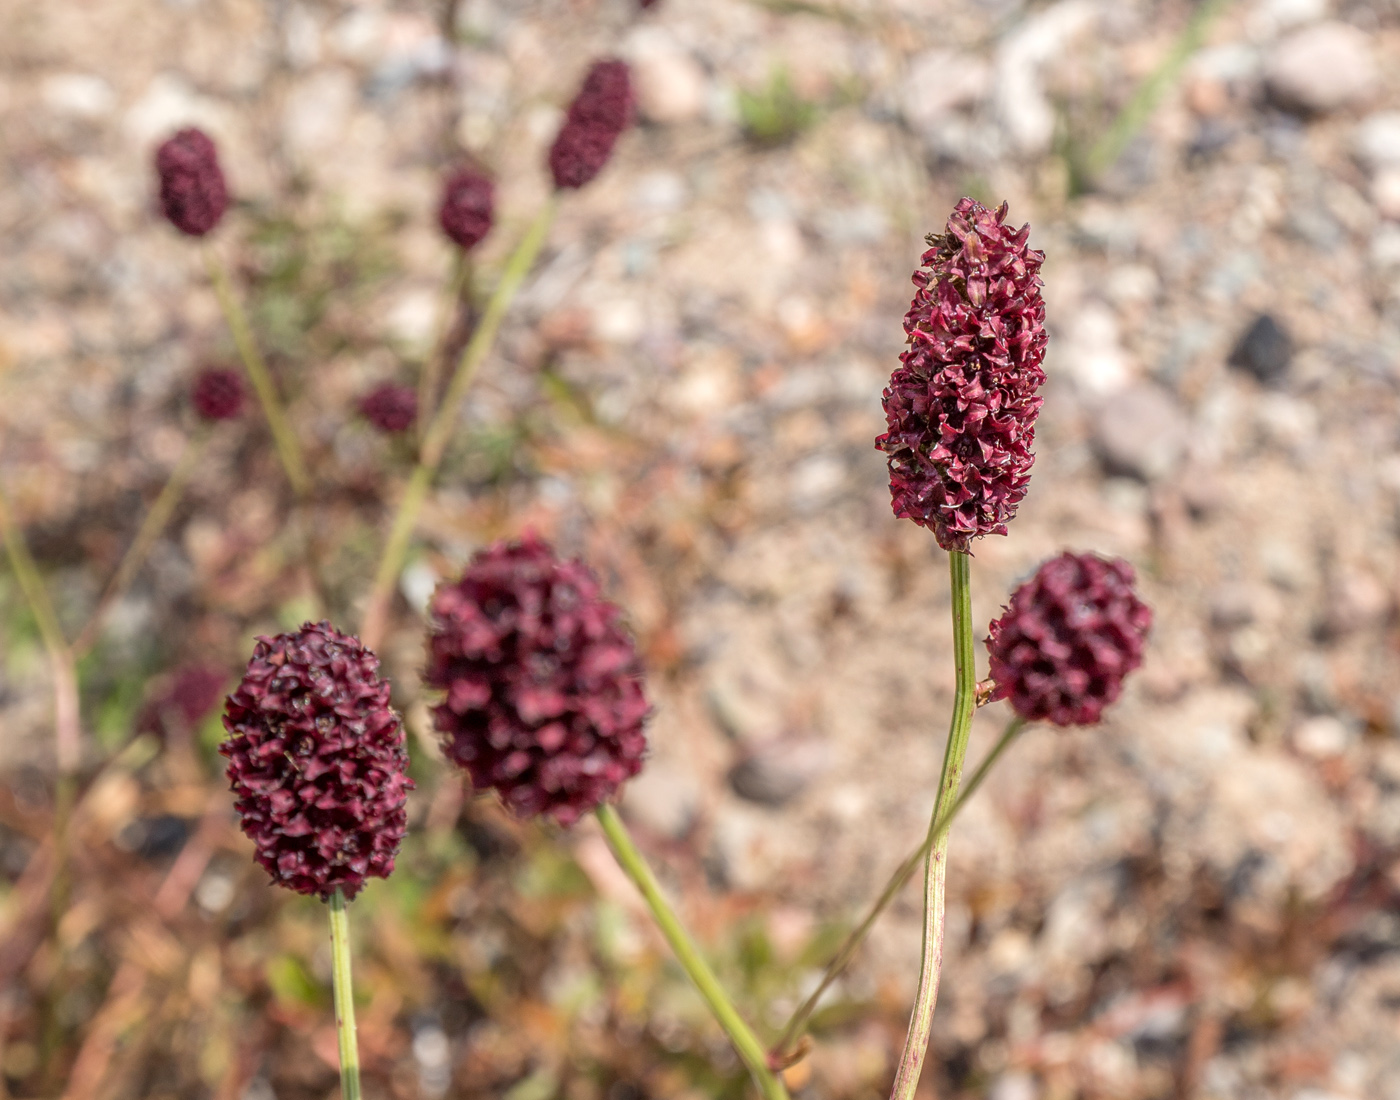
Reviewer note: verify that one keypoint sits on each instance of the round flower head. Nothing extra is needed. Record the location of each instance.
(468, 200)
(961, 406)
(1068, 638)
(192, 191)
(317, 760)
(390, 408)
(597, 116)
(544, 698)
(217, 394)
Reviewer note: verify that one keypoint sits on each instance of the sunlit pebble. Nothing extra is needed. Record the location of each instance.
(214, 892)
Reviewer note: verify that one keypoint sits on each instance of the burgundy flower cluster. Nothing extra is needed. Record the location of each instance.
(317, 761)
(390, 407)
(193, 195)
(468, 203)
(1068, 638)
(544, 698)
(217, 394)
(597, 116)
(961, 407)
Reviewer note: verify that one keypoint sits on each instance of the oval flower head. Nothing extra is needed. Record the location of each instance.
(317, 759)
(193, 195)
(468, 203)
(217, 394)
(597, 116)
(544, 700)
(961, 407)
(1068, 638)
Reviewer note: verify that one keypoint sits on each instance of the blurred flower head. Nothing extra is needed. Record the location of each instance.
(597, 116)
(543, 689)
(217, 394)
(193, 195)
(186, 698)
(1068, 638)
(390, 407)
(961, 407)
(468, 200)
(316, 758)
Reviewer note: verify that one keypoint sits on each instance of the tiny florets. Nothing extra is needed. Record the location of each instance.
(597, 116)
(544, 698)
(193, 195)
(217, 394)
(1068, 638)
(316, 758)
(390, 407)
(468, 201)
(961, 407)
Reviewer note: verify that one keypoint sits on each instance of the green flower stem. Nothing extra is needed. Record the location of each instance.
(344, 999)
(151, 527)
(67, 721)
(283, 438)
(439, 431)
(688, 955)
(911, 1062)
(782, 1051)
(459, 286)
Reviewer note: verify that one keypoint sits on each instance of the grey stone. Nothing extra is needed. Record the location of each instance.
(1141, 432)
(777, 771)
(1377, 140)
(1321, 68)
(1265, 350)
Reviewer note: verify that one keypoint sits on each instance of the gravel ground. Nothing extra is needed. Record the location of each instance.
(1196, 898)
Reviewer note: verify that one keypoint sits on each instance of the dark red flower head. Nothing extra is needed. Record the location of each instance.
(192, 191)
(468, 200)
(390, 407)
(961, 406)
(317, 761)
(544, 698)
(192, 692)
(1068, 638)
(217, 394)
(597, 116)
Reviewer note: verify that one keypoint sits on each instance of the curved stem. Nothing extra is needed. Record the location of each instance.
(151, 527)
(344, 999)
(782, 1049)
(439, 431)
(688, 955)
(67, 721)
(911, 1062)
(288, 450)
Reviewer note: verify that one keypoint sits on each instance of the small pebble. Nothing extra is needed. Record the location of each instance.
(1265, 350)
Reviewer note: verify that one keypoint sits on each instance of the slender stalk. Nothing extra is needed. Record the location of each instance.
(67, 727)
(1140, 105)
(288, 450)
(911, 1062)
(688, 955)
(458, 285)
(151, 527)
(782, 1049)
(344, 1000)
(440, 429)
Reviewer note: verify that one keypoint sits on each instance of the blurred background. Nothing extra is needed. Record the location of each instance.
(1196, 899)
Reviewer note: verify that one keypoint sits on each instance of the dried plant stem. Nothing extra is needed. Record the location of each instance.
(344, 999)
(782, 1051)
(151, 527)
(688, 955)
(283, 438)
(440, 429)
(67, 729)
(459, 285)
(911, 1062)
